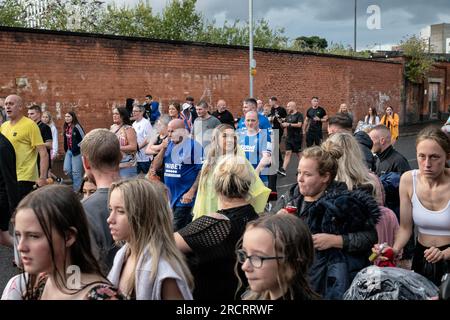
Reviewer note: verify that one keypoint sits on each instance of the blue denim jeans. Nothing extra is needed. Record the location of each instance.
(126, 173)
(73, 167)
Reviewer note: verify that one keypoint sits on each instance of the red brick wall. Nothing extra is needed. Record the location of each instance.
(92, 74)
(360, 83)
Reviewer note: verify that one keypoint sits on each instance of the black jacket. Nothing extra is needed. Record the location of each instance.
(278, 114)
(346, 213)
(224, 117)
(390, 160)
(366, 144)
(9, 195)
(359, 241)
(77, 137)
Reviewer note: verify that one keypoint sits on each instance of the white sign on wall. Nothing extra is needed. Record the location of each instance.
(447, 45)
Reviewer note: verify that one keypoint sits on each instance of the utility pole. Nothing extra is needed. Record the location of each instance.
(354, 35)
(251, 61)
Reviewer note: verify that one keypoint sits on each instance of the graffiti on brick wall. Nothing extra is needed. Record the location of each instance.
(58, 110)
(42, 86)
(382, 102)
(9, 85)
(362, 100)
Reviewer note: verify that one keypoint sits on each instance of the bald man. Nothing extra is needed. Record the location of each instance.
(223, 114)
(390, 166)
(250, 104)
(181, 158)
(257, 145)
(390, 159)
(24, 135)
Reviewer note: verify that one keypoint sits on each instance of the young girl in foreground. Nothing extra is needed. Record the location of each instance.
(149, 266)
(276, 254)
(54, 245)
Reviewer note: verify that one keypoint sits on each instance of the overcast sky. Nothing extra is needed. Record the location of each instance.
(330, 19)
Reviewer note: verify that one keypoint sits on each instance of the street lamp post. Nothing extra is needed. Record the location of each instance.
(251, 61)
(354, 35)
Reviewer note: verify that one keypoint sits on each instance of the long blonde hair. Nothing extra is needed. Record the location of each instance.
(50, 117)
(215, 152)
(232, 177)
(351, 168)
(149, 216)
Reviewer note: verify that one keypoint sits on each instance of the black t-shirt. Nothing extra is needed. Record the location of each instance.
(224, 117)
(294, 133)
(46, 134)
(313, 124)
(213, 243)
(193, 113)
(278, 114)
(148, 110)
(9, 196)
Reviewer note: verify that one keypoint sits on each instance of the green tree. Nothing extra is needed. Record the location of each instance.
(12, 13)
(232, 34)
(238, 34)
(418, 62)
(135, 21)
(266, 37)
(341, 50)
(73, 15)
(180, 21)
(313, 43)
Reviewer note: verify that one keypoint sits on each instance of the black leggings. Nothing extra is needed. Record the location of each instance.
(431, 271)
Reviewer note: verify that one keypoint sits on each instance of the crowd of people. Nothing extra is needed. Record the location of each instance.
(176, 206)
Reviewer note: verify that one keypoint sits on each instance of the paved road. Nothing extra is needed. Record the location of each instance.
(405, 145)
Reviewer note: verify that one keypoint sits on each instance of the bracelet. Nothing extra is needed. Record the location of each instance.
(290, 125)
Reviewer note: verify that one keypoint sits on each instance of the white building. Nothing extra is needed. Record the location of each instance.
(440, 38)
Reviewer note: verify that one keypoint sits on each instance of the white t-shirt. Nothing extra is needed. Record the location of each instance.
(55, 140)
(16, 287)
(145, 288)
(143, 130)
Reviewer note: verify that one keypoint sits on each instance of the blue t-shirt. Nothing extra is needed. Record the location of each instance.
(254, 146)
(263, 122)
(153, 112)
(182, 163)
